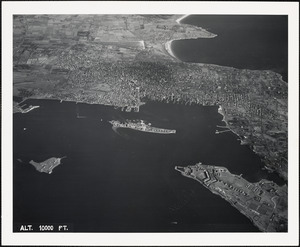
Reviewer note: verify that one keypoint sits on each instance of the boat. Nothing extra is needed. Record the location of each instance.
(140, 125)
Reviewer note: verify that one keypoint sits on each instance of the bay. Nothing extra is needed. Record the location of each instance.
(257, 42)
(124, 180)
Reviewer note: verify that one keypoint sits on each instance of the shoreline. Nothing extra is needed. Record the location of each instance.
(215, 35)
(227, 197)
(222, 196)
(168, 47)
(181, 18)
(220, 111)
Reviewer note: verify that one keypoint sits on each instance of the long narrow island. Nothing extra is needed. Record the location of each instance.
(264, 202)
(141, 126)
(48, 165)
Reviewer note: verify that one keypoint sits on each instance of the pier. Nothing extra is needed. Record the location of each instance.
(222, 131)
(19, 109)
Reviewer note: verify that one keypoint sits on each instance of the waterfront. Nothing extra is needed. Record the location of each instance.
(243, 42)
(125, 181)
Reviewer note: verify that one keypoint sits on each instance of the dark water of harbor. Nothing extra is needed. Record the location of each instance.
(125, 181)
(246, 42)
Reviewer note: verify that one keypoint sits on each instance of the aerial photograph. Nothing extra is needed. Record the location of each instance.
(145, 123)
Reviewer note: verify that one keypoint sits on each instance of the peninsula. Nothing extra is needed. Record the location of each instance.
(48, 165)
(264, 202)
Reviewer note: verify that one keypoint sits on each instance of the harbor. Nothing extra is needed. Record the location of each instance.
(141, 164)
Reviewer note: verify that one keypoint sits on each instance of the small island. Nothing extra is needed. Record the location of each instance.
(140, 126)
(264, 202)
(48, 165)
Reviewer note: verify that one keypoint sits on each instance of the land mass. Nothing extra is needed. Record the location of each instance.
(141, 126)
(48, 165)
(264, 202)
(120, 59)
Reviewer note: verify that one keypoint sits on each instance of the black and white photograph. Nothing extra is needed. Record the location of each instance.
(151, 121)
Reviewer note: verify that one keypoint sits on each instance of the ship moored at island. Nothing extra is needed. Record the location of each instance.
(140, 125)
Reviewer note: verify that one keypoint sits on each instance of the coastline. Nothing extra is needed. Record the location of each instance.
(223, 196)
(181, 18)
(220, 111)
(215, 35)
(227, 197)
(168, 47)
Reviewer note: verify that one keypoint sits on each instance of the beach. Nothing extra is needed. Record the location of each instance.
(181, 18)
(168, 47)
